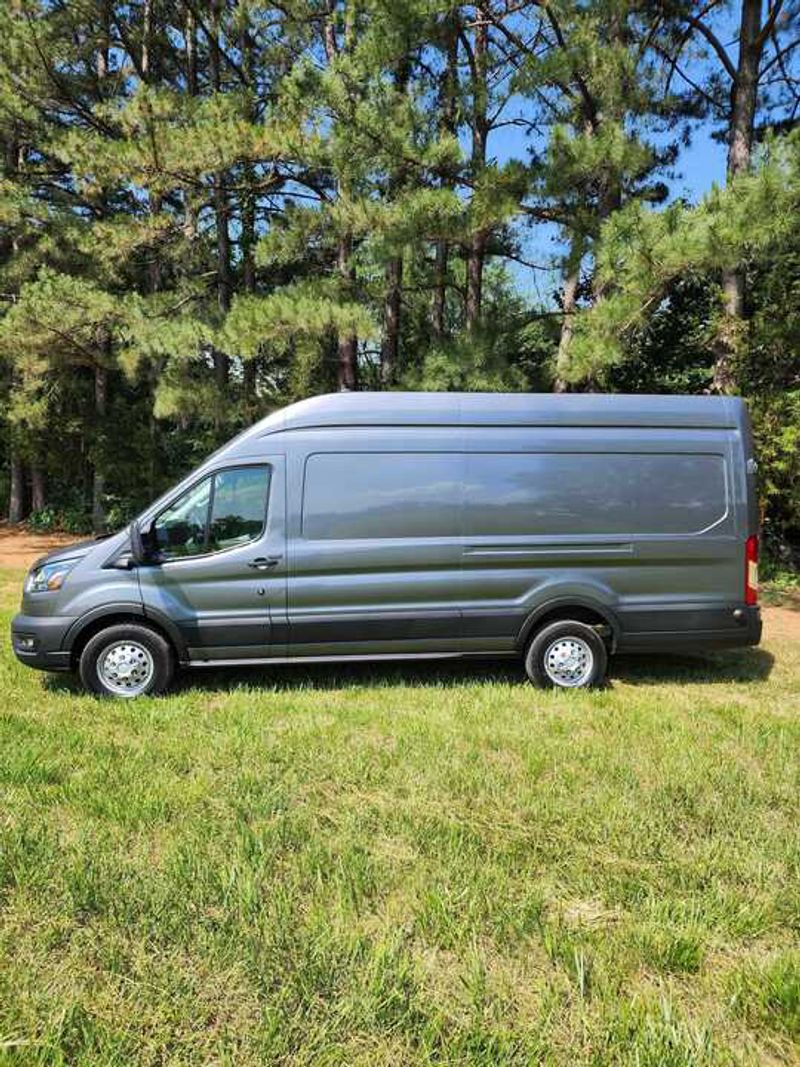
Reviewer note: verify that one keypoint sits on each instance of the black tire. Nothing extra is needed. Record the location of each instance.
(566, 630)
(156, 662)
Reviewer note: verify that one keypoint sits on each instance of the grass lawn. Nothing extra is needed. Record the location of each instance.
(388, 865)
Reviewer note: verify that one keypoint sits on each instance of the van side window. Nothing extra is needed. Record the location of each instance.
(382, 494)
(601, 493)
(181, 529)
(222, 511)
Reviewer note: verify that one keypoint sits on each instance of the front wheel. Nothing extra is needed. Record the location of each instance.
(127, 661)
(566, 655)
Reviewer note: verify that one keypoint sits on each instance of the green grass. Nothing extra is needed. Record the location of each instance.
(390, 866)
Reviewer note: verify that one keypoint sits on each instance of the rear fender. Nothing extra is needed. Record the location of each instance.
(562, 604)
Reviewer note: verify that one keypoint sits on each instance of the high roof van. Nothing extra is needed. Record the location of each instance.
(557, 528)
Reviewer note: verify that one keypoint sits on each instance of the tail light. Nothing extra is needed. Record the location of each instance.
(751, 571)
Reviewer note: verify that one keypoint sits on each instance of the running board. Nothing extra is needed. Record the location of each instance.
(375, 657)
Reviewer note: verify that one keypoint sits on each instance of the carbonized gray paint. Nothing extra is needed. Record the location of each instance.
(420, 524)
(217, 599)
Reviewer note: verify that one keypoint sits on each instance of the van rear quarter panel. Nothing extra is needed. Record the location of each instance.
(654, 582)
(474, 591)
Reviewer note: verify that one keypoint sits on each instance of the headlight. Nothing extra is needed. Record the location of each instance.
(49, 577)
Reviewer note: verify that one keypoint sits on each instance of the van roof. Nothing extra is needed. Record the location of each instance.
(503, 409)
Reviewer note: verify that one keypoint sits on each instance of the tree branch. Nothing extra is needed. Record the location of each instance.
(769, 25)
(715, 43)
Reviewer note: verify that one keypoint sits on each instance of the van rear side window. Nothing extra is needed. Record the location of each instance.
(389, 494)
(597, 493)
(424, 494)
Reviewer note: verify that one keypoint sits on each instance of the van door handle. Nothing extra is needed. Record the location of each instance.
(264, 563)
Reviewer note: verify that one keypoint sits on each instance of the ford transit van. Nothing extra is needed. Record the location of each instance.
(557, 528)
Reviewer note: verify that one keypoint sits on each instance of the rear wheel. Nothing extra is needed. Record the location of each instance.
(127, 661)
(566, 655)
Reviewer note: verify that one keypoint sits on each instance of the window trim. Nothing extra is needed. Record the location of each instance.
(212, 475)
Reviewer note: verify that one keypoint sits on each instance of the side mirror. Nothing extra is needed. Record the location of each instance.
(140, 550)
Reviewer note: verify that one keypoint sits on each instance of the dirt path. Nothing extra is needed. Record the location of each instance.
(19, 548)
(783, 623)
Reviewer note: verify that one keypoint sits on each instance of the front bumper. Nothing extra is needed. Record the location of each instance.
(37, 641)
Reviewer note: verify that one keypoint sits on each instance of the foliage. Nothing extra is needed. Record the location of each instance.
(67, 520)
(213, 207)
(509, 354)
(644, 252)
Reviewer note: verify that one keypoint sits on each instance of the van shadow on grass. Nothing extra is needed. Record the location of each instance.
(748, 665)
(742, 665)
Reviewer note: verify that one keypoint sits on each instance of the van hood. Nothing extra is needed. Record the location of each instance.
(76, 550)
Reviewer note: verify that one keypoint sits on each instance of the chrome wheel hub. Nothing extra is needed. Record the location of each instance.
(126, 668)
(569, 661)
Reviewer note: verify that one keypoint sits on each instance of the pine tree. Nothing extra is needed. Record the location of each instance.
(48, 84)
(594, 73)
(748, 76)
(646, 252)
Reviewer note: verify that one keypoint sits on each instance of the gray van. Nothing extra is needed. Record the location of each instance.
(556, 528)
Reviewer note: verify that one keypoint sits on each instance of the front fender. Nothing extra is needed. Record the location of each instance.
(121, 611)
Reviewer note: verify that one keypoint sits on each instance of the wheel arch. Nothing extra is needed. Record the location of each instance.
(581, 608)
(93, 622)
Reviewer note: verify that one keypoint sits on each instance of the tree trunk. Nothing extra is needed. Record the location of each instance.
(346, 343)
(569, 304)
(448, 125)
(250, 368)
(221, 213)
(390, 346)
(147, 37)
(439, 298)
(250, 379)
(744, 93)
(98, 475)
(38, 498)
(9, 246)
(104, 47)
(331, 45)
(475, 262)
(476, 252)
(224, 281)
(16, 499)
(192, 89)
(154, 200)
(393, 270)
(248, 215)
(190, 36)
(347, 362)
(744, 89)
(104, 337)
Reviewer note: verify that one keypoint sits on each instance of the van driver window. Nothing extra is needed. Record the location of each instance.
(181, 529)
(224, 510)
